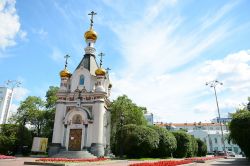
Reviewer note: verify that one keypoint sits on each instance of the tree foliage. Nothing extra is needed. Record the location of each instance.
(132, 114)
(167, 143)
(193, 148)
(183, 144)
(240, 130)
(10, 138)
(31, 111)
(38, 113)
(138, 141)
(202, 148)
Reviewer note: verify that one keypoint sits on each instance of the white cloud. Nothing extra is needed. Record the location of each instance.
(57, 55)
(10, 24)
(41, 32)
(153, 50)
(20, 93)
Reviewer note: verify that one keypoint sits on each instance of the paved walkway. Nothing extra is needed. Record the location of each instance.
(221, 162)
(227, 162)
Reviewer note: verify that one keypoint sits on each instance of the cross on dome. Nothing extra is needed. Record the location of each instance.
(66, 60)
(101, 55)
(91, 19)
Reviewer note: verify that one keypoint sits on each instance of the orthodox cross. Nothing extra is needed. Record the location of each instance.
(108, 69)
(66, 60)
(101, 55)
(91, 19)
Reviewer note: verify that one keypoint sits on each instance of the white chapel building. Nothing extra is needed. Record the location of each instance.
(82, 118)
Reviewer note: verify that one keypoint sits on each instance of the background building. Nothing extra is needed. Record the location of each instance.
(5, 102)
(150, 118)
(210, 133)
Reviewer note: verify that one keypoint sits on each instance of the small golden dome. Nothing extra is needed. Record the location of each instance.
(90, 34)
(100, 71)
(65, 73)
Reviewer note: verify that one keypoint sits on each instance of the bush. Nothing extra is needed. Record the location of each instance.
(138, 141)
(183, 144)
(193, 148)
(167, 143)
(10, 138)
(202, 148)
(240, 130)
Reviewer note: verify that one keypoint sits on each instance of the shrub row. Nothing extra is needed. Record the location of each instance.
(188, 146)
(152, 141)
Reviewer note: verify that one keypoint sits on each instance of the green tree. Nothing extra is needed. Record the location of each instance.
(240, 130)
(10, 138)
(193, 148)
(38, 113)
(139, 141)
(132, 114)
(183, 144)
(167, 143)
(49, 114)
(31, 111)
(202, 148)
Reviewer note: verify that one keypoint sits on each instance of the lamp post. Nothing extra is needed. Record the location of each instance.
(121, 136)
(213, 85)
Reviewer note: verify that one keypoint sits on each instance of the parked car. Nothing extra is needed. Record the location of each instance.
(230, 153)
(219, 153)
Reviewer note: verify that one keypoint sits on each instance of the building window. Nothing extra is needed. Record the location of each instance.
(81, 80)
(215, 140)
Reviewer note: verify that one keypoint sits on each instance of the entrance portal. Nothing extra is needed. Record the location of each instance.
(75, 138)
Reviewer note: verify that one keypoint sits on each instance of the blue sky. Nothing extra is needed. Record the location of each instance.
(161, 52)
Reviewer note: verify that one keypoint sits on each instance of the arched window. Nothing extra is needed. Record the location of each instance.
(81, 80)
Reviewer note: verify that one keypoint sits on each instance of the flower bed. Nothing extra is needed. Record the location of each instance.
(70, 160)
(163, 163)
(203, 159)
(6, 157)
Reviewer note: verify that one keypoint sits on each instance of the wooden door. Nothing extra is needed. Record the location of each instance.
(75, 138)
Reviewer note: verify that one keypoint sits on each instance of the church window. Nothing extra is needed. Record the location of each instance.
(81, 80)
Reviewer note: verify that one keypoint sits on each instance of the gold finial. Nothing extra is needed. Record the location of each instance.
(65, 72)
(66, 60)
(100, 71)
(91, 19)
(91, 34)
(101, 55)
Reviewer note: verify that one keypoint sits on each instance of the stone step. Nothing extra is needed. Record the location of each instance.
(74, 154)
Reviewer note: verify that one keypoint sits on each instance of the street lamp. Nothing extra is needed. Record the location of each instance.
(213, 85)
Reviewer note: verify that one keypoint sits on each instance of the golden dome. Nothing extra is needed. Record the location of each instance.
(90, 34)
(100, 71)
(65, 73)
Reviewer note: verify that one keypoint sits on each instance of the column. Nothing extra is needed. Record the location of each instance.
(97, 147)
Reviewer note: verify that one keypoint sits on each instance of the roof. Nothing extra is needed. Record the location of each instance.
(187, 124)
(88, 62)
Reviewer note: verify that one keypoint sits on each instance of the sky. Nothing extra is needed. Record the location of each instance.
(161, 52)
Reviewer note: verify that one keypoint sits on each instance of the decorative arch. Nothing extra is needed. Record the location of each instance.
(84, 113)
